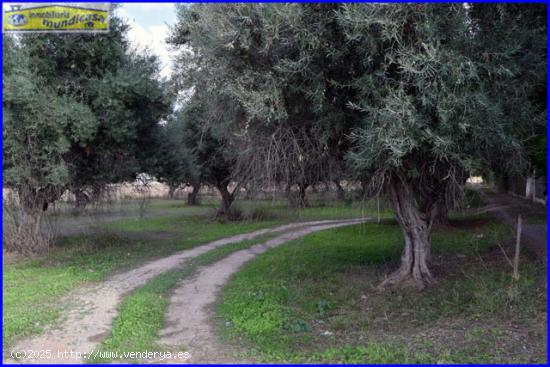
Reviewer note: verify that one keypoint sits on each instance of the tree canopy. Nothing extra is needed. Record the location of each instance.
(90, 105)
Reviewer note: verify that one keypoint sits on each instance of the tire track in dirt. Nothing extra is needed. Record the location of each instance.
(90, 310)
(188, 318)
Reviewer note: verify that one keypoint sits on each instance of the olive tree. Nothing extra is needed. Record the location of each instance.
(175, 165)
(120, 86)
(288, 87)
(39, 128)
(80, 111)
(197, 151)
(431, 111)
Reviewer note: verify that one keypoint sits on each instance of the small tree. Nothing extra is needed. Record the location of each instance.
(80, 111)
(213, 156)
(175, 164)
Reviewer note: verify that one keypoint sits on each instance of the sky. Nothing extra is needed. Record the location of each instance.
(149, 26)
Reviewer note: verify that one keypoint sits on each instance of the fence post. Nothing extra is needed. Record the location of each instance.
(515, 275)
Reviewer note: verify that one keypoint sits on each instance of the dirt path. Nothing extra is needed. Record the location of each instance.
(189, 314)
(506, 208)
(90, 311)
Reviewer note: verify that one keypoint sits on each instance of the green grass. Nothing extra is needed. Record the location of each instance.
(189, 229)
(329, 210)
(274, 213)
(373, 353)
(132, 207)
(141, 314)
(29, 293)
(283, 301)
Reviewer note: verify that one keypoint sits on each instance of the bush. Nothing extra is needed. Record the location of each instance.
(25, 232)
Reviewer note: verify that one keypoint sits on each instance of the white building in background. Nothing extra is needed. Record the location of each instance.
(535, 189)
(476, 180)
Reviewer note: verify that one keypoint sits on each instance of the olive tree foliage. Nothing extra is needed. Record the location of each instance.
(119, 85)
(285, 85)
(175, 165)
(39, 127)
(213, 154)
(129, 103)
(412, 97)
(434, 105)
(515, 35)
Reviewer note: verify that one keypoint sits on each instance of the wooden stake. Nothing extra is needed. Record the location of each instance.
(515, 276)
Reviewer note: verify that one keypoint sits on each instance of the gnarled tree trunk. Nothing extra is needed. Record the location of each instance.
(227, 199)
(25, 232)
(416, 226)
(192, 196)
(171, 191)
(302, 199)
(340, 193)
(297, 199)
(81, 199)
(288, 194)
(364, 188)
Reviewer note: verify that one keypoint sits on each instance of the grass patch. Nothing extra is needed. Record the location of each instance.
(255, 213)
(29, 291)
(373, 353)
(31, 288)
(312, 300)
(141, 314)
